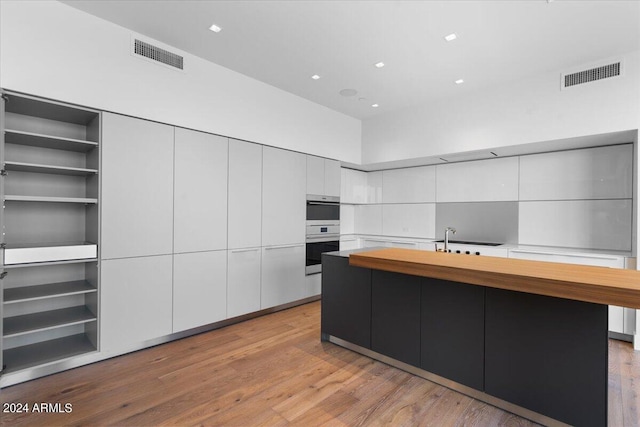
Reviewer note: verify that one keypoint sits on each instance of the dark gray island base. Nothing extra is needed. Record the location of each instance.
(541, 357)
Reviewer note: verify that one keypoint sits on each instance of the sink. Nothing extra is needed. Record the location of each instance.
(462, 242)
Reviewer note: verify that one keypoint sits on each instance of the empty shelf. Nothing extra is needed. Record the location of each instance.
(31, 355)
(19, 137)
(57, 170)
(45, 263)
(51, 290)
(29, 323)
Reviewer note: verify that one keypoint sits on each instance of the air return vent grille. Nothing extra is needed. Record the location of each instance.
(591, 75)
(157, 54)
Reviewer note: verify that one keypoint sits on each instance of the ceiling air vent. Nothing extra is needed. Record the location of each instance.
(592, 75)
(157, 54)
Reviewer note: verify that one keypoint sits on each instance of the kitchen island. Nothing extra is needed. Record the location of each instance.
(528, 337)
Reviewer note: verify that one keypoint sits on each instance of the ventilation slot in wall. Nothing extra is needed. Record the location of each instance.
(592, 75)
(157, 54)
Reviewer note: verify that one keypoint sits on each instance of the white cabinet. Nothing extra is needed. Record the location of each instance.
(349, 242)
(199, 289)
(315, 175)
(601, 224)
(592, 173)
(353, 186)
(136, 300)
(283, 197)
(283, 276)
(245, 194)
(312, 286)
(332, 177)
(491, 180)
(323, 176)
(243, 282)
(137, 187)
(200, 195)
(409, 185)
(374, 187)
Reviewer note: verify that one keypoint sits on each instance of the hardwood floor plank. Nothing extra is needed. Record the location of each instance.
(275, 371)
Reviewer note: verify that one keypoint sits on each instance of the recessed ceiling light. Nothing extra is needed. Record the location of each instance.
(450, 37)
(215, 28)
(315, 77)
(379, 65)
(375, 105)
(459, 81)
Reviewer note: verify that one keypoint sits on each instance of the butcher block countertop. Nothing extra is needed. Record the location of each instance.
(599, 285)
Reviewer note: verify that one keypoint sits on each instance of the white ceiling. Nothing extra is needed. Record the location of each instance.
(283, 43)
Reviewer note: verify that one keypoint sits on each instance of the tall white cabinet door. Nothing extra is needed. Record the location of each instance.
(245, 194)
(137, 187)
(332, 175)
(200, 197)
(135, 301)
(199, 289)
(283, 197)
(243, 284)
(282, 274)
(315, 175)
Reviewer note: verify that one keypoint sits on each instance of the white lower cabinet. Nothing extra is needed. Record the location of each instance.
(199, 289)
(283, 276)
(136, 300)
(243, 281)
(312, 285)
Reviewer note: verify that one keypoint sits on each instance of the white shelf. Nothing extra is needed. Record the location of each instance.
(46, 320)
(34, 253)
(19, 137)
(32, 355)
(50, 290)
(48, 199)
(49, 263)
(48, 169)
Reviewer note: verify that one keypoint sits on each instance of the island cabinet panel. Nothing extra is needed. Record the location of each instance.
(548, 355)
(346, 301)
(395, 315)
(452, 331)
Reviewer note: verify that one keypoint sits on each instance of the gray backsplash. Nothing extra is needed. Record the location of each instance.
(495, 222)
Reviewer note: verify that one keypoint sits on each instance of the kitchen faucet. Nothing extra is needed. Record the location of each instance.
(446, 237)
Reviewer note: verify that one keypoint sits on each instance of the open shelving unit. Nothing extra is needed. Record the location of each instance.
(50, 155)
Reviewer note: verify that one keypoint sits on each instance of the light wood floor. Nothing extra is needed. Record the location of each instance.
(275, 371)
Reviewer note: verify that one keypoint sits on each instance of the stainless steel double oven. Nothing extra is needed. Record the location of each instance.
(323, 229)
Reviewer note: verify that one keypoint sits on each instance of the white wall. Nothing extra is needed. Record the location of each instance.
(522, 112)
(52, 50)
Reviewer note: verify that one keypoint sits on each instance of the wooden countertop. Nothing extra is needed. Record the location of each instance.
(600, 285)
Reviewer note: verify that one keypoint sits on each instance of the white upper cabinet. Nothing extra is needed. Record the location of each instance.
(410, 185)
(283, 197)
(353, 185)
(332, 177)
(199, 289)
(137, 187)
(491, 180)
(374, 187)
(315, 175)
(200, 196)
(592, 173)
(245, 194)
(323, 176)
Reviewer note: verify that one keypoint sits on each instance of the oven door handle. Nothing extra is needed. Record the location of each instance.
(324, 203)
